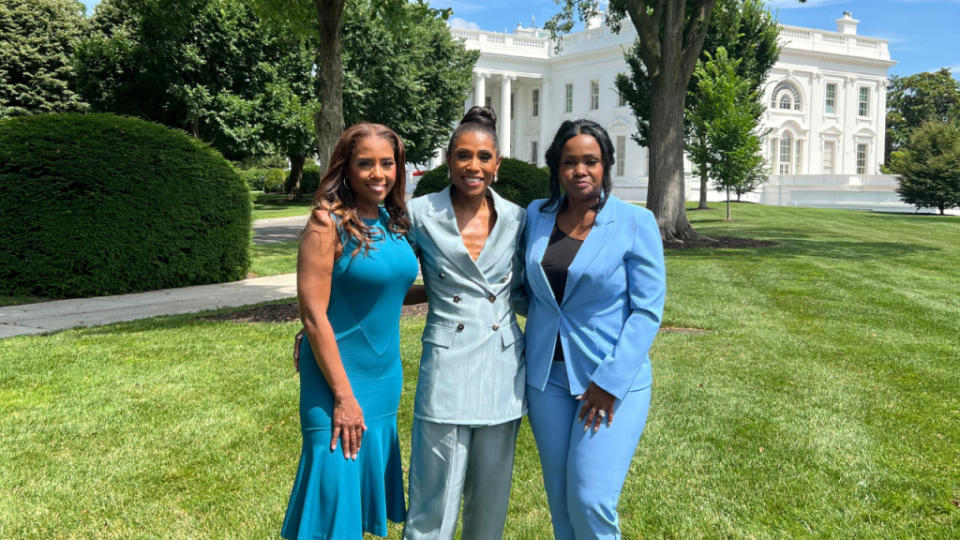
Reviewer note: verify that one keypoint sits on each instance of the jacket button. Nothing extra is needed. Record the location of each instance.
(443, 276)
(456, 299)
(495, 327)
(492, 298)
(460, 326)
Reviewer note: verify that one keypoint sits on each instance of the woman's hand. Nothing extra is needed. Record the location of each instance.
(296, 350)
(597, 407)
(348, 426)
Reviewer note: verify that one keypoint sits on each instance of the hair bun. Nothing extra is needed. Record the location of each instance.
(480, 115)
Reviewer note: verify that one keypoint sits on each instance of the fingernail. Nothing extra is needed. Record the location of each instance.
(578, 397)
(585, 428)
(596, 429)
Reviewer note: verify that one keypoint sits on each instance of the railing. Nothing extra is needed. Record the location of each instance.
(483, 40)
(826, 41)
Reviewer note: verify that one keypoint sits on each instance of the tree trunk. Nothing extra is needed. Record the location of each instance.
(329, 119)
(703, 182)
(665, 190)
(296, 173)
(728, 204)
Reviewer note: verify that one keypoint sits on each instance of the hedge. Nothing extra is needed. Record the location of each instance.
(517, 181)
(308, 184)
(101, 204)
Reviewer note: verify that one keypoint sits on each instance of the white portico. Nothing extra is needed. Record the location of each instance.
(825, 97)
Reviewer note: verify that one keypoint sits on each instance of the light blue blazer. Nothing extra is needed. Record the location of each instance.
(612, 303)
(471, 365)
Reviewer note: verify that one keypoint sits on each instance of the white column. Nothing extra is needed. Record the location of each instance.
(479, 89)
(545, 137)
(505, 127)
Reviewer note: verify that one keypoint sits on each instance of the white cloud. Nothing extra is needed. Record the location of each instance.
(462, 24)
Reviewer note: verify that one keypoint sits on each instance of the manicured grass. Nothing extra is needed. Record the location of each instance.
(274, 205)
(273, 259)
(824, 402)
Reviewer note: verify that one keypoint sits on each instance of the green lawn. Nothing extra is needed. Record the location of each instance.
(824, 402)
(274, 205)
(273, 259)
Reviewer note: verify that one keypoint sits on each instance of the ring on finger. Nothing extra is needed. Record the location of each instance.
(602, 413)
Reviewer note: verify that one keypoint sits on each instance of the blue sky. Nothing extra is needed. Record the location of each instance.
(919, 31)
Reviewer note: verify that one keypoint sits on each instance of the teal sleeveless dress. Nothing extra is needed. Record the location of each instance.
(334, 497)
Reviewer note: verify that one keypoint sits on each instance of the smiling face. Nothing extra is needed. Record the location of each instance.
(581, 168)
(473, 163)
(372, 173)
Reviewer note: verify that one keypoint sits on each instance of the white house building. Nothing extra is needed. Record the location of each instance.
(825, 119)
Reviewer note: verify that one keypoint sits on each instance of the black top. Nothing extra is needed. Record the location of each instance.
(556, 261)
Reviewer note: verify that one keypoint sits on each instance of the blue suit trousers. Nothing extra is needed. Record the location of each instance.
(583, 472)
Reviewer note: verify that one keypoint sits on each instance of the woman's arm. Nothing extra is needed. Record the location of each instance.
(318, 250)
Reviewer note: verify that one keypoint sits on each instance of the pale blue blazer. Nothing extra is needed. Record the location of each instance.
(612, 303)
(471, 365)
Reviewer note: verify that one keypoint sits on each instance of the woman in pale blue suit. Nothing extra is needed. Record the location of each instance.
(470, 389)
(595, 274)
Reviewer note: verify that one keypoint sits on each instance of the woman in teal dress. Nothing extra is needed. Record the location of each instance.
(354, 268)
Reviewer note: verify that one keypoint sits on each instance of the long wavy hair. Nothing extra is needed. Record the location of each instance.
(335, 196)
(568, 130)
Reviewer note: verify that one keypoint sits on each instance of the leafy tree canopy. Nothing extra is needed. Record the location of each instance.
(36, 44)
(929, 166)
(919, 98)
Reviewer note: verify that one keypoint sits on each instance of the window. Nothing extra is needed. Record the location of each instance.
(621, 99)
(786, 152)
(620, 154)
(831, 99)
(829, 151)
(533, 152)
(513, 107)
(864, 106)
(488, 101)
(773, 155)
(594, 95)
(568, 98)
(535, 98)
(862, 158)
(785, 96)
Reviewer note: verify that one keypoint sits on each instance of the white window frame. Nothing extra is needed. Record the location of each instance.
(594, 94)
(830, 102)
(863, 154)
(621, 99)
(786, 153)
(568, 98)
(863, 102)
(535, 102)
(534, 151)
(829, 165)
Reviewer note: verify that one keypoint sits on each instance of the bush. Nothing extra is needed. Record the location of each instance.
(101, 204)
(517, 181)
(309, 183)
(255, 178)
(273, 181)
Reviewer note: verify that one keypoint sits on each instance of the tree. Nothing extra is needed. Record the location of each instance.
(724, 125)
(36, 43)
(671, 35)
(916, 99)
(929, 166)
(746, 30)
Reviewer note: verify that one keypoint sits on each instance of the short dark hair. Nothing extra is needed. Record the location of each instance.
(478, 119)
(568, 130)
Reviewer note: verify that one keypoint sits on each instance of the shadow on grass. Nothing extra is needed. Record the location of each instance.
(795, 246)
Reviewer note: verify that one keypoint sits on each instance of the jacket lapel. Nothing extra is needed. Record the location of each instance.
(592, 246)
(543, 227)
(442, 226)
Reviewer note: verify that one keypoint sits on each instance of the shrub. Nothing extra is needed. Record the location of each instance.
(517, 181)
(101, 204)
(273, 181)
(309, 183)
(929, 167)
(255, 178)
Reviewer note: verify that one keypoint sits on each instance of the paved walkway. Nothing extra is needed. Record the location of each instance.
(57, 315)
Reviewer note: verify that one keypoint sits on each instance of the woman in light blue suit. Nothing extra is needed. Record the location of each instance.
(595, 276)
(470, 388)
